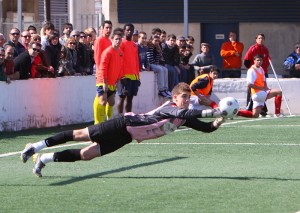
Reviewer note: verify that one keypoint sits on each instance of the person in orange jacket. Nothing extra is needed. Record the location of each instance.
(201, 88)
(231, 52)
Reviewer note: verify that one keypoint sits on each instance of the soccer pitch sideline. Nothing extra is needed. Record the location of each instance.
(247, 165)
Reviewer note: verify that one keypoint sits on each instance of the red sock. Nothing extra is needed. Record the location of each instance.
(213, 105)
(278, 104)
(245, 113)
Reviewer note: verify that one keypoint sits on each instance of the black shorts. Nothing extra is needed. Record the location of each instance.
(130, 88)
(111, 134)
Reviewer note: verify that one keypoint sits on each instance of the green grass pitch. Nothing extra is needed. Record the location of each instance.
(245, 166)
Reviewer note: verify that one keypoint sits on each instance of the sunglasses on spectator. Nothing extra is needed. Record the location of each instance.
(37, 39)
(26, 36)
(73, 43)
(15, 34)
(83, 36)
(89, 35)
(36, 49)
(75, 35)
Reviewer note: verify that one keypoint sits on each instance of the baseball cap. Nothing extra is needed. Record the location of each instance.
(180, 38)
(135, 32)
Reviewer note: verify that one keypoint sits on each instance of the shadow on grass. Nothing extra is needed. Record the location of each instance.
(204, 177)
(42, 131)
(96, 175)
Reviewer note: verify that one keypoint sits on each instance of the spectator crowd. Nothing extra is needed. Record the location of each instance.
(49, 54)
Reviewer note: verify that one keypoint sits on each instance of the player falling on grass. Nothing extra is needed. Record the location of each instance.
(259, 90)
(120, 130)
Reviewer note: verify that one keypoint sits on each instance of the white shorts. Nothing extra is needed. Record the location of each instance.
(259, 98)
(194, 103)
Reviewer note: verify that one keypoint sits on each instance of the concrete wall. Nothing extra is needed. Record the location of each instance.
(38, 103)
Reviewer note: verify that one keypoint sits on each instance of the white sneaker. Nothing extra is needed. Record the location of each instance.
(37, 169)
(27, 152)
(280, 115)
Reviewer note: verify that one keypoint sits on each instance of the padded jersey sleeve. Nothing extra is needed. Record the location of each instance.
(172, 111)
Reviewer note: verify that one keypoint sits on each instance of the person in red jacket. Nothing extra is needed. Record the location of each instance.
(231, 52)
(257, 49)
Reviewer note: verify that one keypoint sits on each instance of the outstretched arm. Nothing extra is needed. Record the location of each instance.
(175, 112)
(198, 125)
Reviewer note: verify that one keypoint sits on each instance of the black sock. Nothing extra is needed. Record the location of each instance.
(69, 155)
(59, 138)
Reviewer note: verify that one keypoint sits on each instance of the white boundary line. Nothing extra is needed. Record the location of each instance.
(146, 143)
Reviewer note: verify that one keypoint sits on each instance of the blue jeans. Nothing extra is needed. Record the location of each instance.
(162, 76)
(172, 76)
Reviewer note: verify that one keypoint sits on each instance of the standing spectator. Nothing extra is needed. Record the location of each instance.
(9, 63)
(2, 40)
(14, 36)
(154, 55)
(48, 28)
(40, 67)
(81, 55)
(171, 56)
(201, 88)
(292, 62)
(100, 44)
(32, 29)
(135, 36)
(260, 92)
(257, 49)
(91, 34)
(185, 62)
(67, 29)
(89, 41)
(110, 71)
(129, 87)
(183, 70)
(204, 61)
(22, 63)
(53, 52)
(187, 71)
(231, 52)
(65, 67)
(71, 55)
(7, 72)
(190, 40)
(25, 39)
(142, 46)
(3, 76)
(87, 54)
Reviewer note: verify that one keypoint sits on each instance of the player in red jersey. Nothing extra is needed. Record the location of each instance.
(101, 108)
(129, 87)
